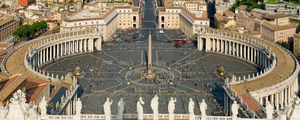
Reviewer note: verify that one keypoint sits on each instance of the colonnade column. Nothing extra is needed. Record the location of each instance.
(241, 50)
(281, 99)
(237, 50)
(222, 45)
(245, 52)
(44, 56)
(54, 51)
(229, 48)
(214, 44)
(76, 45)
(251, 55)
(65, 48)
(226, 47)
(85, 42)
(69, 47)
(248, 55)
(277, 100)
(272, 99)
(41, 57)
(207, 44)
(254, 60)
(80, 45)
(285, 97)
(47, 54)
(57, 50)
(218, 45)
(50, 53)
(233, 48)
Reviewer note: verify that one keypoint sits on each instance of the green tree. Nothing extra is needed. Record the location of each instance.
(298, 29)
(286, 45)
(3, 6)
(71, 1)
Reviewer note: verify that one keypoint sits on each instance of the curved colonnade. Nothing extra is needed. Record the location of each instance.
(45, 49)
(277, 81)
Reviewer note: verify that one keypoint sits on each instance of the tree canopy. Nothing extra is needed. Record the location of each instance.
(3, 6)
(286, 45)
(28, 30)
(251, 4)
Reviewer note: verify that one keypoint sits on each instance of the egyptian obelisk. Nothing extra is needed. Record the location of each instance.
(149, 75)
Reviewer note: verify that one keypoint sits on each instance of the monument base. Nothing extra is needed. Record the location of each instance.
(150, 76)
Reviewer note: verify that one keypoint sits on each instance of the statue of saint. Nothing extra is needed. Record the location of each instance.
(203, 107)
(107, 111)
(191, 106)
(234, 109)
(78, 106)
(121, 104)
(171, 106)
(42, 106)
(269, 110)
(154, 106)
(139, 108)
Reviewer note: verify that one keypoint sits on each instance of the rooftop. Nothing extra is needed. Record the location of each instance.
(252, 105)
(242, 7)
(279, 27)
(8, 85)
(262, 11)
(274, 16)
(228, 13)
(5, 18)
(34, 87)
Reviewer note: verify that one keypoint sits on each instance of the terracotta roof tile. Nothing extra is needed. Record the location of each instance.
(251, 103)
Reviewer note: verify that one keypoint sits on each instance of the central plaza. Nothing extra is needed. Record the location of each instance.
(183, 73)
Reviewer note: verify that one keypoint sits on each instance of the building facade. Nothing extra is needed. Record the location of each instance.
(180, 17)
(8, 24)
(296, 43)
(117, 17)
(277, 28)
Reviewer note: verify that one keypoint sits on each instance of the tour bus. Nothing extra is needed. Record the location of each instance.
(180, 41)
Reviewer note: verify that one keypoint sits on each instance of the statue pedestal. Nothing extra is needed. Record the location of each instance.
(150, 76)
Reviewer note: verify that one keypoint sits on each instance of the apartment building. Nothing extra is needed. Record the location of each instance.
(296, 43)
(105, 20)
(248, 21)
(277, 28)
(223, 5)
(282, 7)
(25, 2)
(8, 24)
(225, 20)
(196, 6)
(180, 17)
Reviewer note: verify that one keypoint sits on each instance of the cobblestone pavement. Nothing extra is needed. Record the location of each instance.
(197, 69)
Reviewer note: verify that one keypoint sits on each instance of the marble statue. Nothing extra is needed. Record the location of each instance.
(234, 109)
(154, 106)
(269, 110)
(42, 106)
(121, 104)
(171, 108)
(78, 106)
(139, 108)
(191, 109)
(191, 106)
(203, 108)
(106, 108)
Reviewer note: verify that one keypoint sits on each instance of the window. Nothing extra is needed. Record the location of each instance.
(74, 23)
(85, 22)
